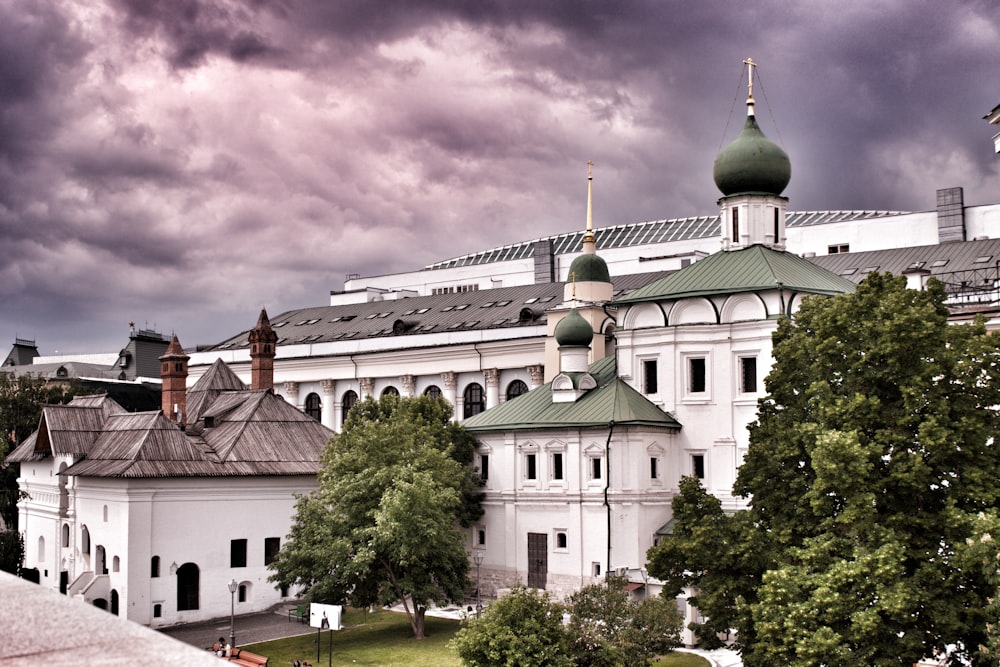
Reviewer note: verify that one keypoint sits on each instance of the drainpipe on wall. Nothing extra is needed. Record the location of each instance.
(607, 486)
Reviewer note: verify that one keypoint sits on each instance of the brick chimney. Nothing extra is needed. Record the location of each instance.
(173, 373)
(262, 347)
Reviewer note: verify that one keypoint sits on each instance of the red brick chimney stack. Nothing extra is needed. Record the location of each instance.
(174, 372)
(263, 341)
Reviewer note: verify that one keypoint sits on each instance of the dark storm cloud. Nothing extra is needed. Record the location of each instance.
(185, 162)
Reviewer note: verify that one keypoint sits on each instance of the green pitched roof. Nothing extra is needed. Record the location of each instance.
(750, 269)
(613, 400)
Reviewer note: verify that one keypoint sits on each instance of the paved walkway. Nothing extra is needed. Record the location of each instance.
(274, 624)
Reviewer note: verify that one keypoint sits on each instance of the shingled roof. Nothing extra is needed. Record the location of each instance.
(238, 433)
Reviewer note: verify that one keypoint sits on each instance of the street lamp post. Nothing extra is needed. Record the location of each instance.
(232, 613)
(477, 558)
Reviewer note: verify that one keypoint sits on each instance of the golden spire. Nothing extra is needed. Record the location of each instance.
(588, 237)
(750, 65)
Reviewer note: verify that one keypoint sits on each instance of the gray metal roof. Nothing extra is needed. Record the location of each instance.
(644, 233)
(969, 269)
(499, 308)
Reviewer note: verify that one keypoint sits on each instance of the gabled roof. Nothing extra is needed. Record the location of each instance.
(70, 429)
(752, 269)
(217, 379)
(613, 400)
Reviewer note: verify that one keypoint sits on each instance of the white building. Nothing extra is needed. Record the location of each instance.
(152, 518)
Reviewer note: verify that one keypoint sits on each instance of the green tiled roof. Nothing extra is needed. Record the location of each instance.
(613, 400)
(746, 270)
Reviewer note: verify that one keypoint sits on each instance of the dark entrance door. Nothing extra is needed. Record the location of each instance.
(538, 559)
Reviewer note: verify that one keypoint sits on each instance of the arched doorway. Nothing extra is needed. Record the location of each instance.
(85, 547)
(100, 560)
(114, 602)
(188, 577)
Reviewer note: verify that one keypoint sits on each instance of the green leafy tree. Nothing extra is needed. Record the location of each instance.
(608, 628)
(871, 457)
(522, 629)
(21, 401)
(11, 551)
(384, 524)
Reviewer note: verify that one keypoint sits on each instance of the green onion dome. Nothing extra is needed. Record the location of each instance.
(752, 163)
(574, 331)
(589, 268)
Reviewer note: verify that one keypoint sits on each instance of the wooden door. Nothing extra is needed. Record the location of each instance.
(538, 559)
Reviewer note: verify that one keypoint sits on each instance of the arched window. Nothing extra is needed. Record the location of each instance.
(314, 407)
(475, 400)
(116, 564)
(105, 514)
(65, 534)
(154, 567)
(187, 587)
(157, 610)
(347, 402)
(41, 549)
(516, 388)
(433, 391)
(389, 391)
(114, 602)
(241, 593)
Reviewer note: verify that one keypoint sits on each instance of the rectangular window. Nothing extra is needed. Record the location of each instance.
(698, 465)
(530, 466)
(595, 568)
(484, 466)
(595, 468)
(736, 225)
(649, 376)
(557, 465)
(838, 248)
(237, 553)
(654, 468)
(777, 227)
(696, 375)
(481, 537)
(748, 375)
(271, 547)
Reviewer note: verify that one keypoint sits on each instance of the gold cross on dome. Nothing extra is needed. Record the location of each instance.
(750, 65)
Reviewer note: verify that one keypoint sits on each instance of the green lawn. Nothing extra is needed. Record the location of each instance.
(384, 639)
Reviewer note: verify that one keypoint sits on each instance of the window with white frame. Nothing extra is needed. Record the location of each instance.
(480, 537)
(748, 375)
(595, 465)
(562, 542)
(557, 466)
(650, 383)
(698, 466)
(531, 466)
(697, 375)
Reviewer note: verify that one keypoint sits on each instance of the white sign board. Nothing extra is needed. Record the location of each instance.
(324, 616)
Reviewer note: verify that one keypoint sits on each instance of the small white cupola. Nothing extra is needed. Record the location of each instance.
(573, 334)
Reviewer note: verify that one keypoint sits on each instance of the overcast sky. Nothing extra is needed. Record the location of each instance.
(181, 163)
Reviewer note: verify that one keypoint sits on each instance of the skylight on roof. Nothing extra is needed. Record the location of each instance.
(422, 311)
(982, 259)
(849, 272)
(532, 299)
(939, 262)
(503, 303)
(279, 324)
(869, 269)
(916, 265)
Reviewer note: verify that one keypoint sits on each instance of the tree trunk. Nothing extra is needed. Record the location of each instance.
(418, 621)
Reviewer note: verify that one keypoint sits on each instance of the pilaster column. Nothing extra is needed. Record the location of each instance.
(329, 415)
(367, 387)
(292, 392)
(492, 387)
(537, 374)
(409, 383)
(450, 381)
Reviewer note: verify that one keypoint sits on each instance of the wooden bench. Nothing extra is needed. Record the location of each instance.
(301, 612)
(247, 659)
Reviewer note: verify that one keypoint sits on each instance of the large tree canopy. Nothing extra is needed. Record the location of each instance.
(872, 455)
(384, 525)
